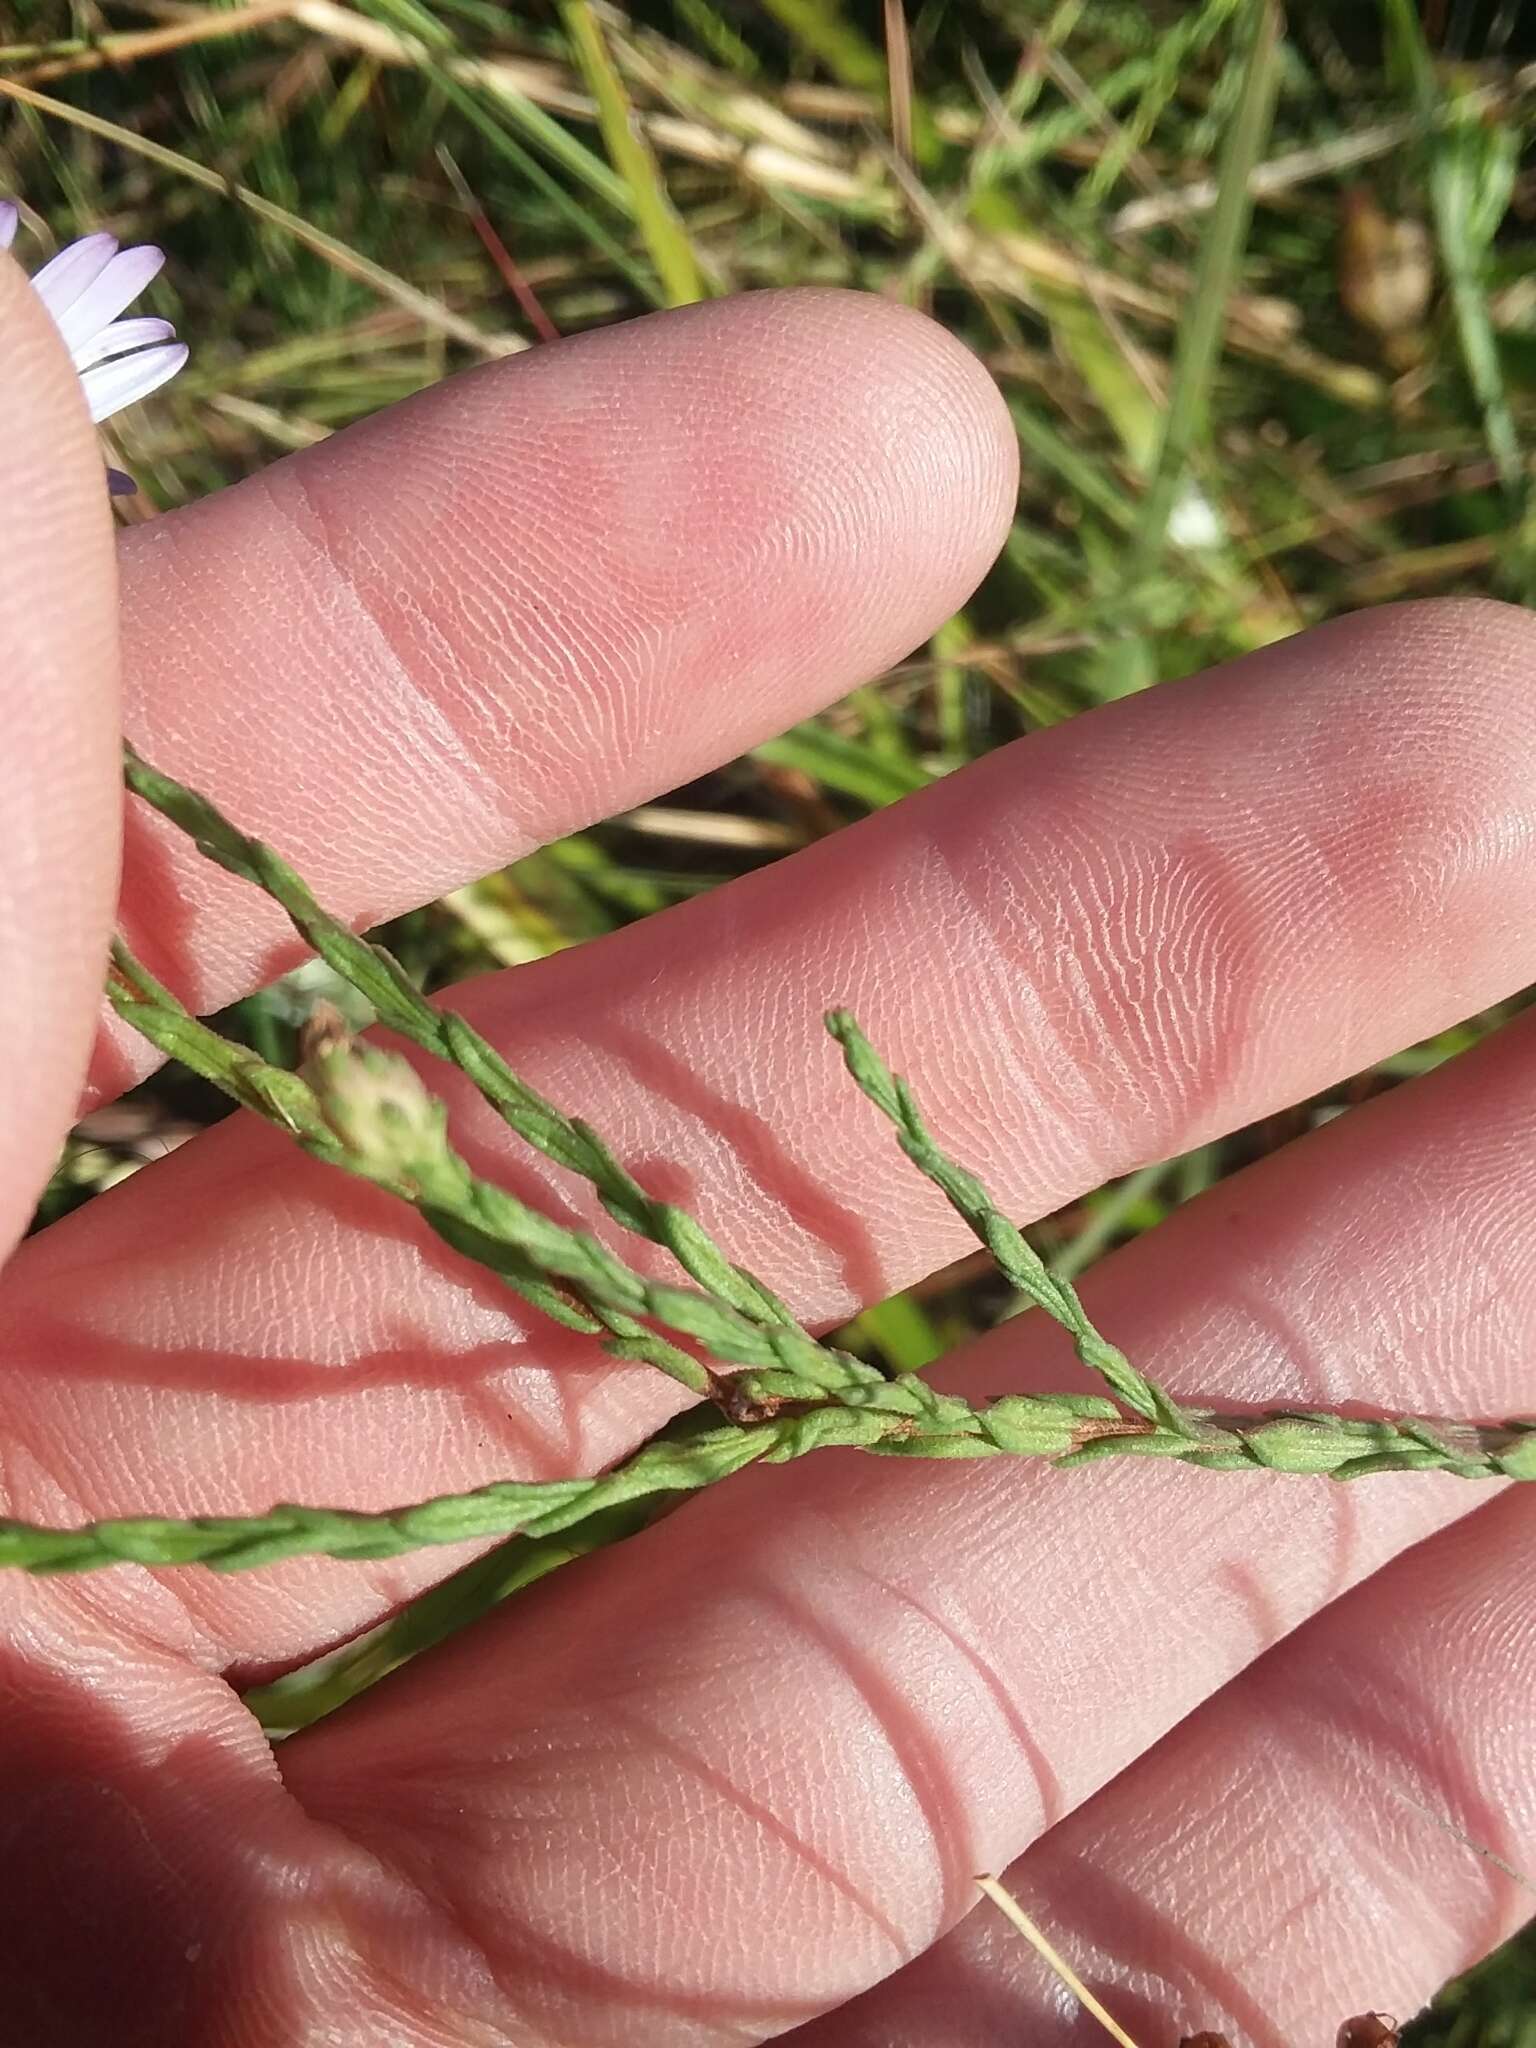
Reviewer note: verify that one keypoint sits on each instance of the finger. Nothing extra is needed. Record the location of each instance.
(58, 698)
(1347, 1825)
(537, 594)
(821, 1699)
(1099, 947)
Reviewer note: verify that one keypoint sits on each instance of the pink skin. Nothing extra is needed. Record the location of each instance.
(1395, 1729)
(734, 1773)
(58, 672)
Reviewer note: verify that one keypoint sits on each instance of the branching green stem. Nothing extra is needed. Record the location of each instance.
(903, 1417)
(567, 1141)
(1016, 1258)
(368, 1112)
(785, 1394)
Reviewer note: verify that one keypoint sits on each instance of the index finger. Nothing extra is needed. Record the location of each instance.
(537, 594)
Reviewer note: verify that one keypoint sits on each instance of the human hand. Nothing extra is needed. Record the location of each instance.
(718, 1781)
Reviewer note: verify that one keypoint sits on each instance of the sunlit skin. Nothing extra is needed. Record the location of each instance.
(727, 1778)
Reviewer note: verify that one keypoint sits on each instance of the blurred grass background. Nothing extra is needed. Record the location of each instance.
(1259, 288)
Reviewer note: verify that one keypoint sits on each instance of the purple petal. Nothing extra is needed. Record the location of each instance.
(120, 484)
(121, 336)
(105, 297)
(127, 379)
(59, 283)
(8, 219)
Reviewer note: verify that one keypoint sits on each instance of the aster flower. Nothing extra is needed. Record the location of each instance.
(85, 287)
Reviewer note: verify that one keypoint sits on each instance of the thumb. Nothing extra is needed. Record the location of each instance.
(59, 781)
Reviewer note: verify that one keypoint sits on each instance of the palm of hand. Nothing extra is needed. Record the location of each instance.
(736, 1772)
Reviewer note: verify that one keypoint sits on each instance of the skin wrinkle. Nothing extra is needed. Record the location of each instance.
(1047, 1779)
(1104, 994)
(1356, 1846)
(565, 1766)
(1393, 1731)
(91, 1458)
(811, 1207)
(1140, 1930)
(524, 1957)
(440, 757)
(1141, 983)
(1271, 1824)
(761, 1812)
(161, 1622)
(995, 1004)
(455, 1974)
(915, 1750)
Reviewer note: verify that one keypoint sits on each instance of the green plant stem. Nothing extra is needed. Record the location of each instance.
(664, 234)
(368, 1111)
(396, 1137)
(299, 1698)
(1016, 1258)
(566, 1141)
(902, 1417)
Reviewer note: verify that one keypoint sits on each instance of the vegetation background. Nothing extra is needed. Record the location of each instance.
(1260, 292)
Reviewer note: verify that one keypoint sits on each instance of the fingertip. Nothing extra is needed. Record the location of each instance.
(909, 384)
(866, 446)
(1486, 625)
(926, 454)
(1469, 653)
(825, 463)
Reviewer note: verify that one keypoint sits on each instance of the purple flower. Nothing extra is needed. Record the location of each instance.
(85, 288)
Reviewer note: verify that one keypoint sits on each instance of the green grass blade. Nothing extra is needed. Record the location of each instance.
(1221, 249)
(484, 118)
(851, 768)
(664, 234)
(821, 28)
(903, 1332)
(436, 54)
(494, 107)
(329, 248)
(1472, 167)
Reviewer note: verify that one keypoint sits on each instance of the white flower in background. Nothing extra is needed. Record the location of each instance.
(1194, 521)
(85, 287)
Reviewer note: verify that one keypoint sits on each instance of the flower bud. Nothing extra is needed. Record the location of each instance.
(379, 1108)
